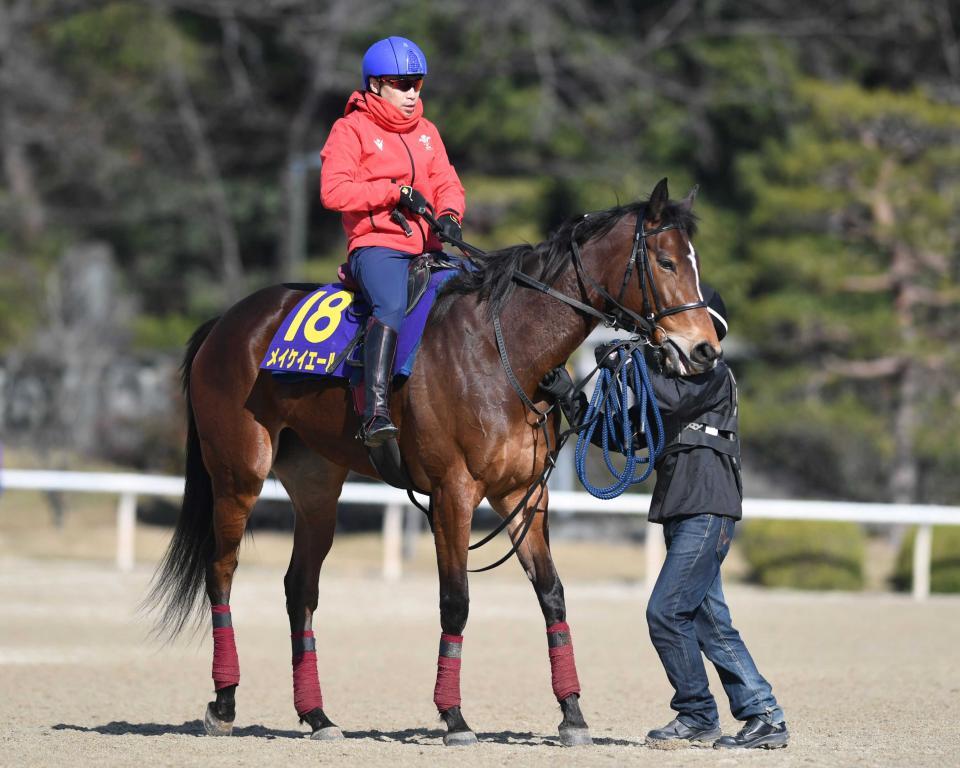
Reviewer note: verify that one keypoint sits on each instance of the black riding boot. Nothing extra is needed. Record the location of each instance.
(379, 348)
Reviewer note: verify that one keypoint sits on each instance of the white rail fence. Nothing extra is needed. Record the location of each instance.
(396, 505)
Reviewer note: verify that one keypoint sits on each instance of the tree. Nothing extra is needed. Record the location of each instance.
(852, 262)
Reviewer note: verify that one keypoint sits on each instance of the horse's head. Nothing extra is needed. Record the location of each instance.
(665, 285)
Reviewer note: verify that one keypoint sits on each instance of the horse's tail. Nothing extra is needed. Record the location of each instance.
(178, 584)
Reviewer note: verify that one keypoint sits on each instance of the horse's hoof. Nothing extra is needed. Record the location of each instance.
(459, 739)
(330, 733)
(575, 737)
(214, 726)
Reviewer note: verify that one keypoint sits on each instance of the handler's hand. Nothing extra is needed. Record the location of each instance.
(608, 355)
(557, 382)
(654, 357)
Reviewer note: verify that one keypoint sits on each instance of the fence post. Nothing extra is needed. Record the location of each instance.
(126, 531)
(411, 531)
(392, 542)
(922, 548)
(656, 553)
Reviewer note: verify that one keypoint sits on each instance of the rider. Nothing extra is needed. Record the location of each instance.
(384, 164)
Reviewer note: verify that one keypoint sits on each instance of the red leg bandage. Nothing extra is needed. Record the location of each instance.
(446, 693)
(226, 665)
(306, 682)
(563, 669)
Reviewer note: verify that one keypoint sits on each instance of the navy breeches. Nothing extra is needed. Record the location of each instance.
(382, 275)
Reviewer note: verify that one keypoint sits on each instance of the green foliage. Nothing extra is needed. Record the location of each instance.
(23, 276)
(798, 142)
(124, 36)
(167, 333)
(944, 560)
(835, 442)
(19, 303)
(804, 555)
(848, 238)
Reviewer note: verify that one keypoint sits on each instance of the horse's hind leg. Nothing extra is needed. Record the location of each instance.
(234, 492)
(534, 554)
(237, 453)
(314, 486)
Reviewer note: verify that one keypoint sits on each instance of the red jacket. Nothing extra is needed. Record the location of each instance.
(370, 153)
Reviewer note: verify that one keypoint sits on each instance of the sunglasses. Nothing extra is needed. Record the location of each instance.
(403, 83)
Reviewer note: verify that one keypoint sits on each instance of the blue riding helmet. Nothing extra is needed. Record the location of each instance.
(395, 56)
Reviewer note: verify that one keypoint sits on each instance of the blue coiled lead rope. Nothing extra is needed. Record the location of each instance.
(609, 408)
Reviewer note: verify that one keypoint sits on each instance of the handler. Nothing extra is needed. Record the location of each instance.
(698, 499)
(383, 165)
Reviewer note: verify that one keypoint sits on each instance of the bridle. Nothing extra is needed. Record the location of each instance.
(644, 326)
(647, 323)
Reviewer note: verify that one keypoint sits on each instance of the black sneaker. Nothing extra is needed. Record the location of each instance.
(756, 733)
(676, 734)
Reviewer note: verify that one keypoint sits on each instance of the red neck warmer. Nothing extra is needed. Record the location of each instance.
(383, 113)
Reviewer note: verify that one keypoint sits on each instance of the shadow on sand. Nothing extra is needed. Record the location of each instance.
(189, 728)
(421, 736)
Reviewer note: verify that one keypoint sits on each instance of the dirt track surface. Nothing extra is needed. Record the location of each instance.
(865, 680)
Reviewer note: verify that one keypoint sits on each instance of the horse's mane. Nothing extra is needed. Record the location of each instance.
(492, 278)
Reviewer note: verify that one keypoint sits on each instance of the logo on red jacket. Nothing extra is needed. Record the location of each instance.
(379, 142)
(425, 140)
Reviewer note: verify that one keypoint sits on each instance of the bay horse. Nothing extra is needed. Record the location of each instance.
(465, 434)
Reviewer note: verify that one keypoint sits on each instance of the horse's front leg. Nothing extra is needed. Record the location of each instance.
(453, 503)
(534, 555)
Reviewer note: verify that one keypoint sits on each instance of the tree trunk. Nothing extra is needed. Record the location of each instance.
(231, 267)
(16, 163)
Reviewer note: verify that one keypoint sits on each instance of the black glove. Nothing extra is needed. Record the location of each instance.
(575, 409)
(450, 228)
(412, 200)
(608, 355)
(557, 382)
(654, 357)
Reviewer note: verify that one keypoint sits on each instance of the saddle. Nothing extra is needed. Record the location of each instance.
(418, 280)
(418, 275)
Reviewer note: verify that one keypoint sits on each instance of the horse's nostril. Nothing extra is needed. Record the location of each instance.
(704, 353)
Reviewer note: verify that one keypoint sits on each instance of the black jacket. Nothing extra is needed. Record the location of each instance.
(699, 472)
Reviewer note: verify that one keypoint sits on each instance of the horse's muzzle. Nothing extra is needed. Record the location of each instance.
(703, 357)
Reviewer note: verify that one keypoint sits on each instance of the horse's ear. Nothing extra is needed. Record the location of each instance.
(658, 201)
(687, 202)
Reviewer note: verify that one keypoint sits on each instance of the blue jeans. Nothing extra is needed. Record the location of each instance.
(382, 274)
(687, 614)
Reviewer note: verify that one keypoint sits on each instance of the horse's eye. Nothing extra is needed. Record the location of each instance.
(667, 265)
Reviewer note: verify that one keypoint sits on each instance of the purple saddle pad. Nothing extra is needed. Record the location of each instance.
(312, 339)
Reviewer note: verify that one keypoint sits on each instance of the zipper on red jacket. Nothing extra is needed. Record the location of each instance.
(413, 178)
(413, 168)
